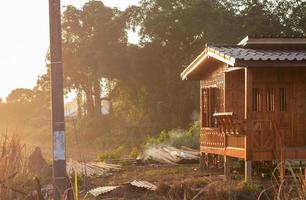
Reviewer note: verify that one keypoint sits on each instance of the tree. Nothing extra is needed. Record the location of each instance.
(293, 15)
(94, 41)
(173, 33)
(21, 95)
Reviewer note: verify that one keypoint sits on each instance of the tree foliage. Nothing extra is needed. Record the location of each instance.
(94, 43)
(174, 32)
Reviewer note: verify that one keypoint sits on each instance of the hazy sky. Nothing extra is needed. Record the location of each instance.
(24, 40)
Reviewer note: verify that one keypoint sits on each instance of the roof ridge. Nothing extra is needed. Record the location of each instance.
(298, 36)
(221, 45)
(255, 48)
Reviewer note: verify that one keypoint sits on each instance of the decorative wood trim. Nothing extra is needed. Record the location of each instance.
(221, 57)
(233, 152)
(230, 69)
(206, 54)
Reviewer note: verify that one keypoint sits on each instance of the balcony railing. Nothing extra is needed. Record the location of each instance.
(230, 132)
(211, 137)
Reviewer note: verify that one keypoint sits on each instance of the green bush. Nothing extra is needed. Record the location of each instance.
(177, 137)
(135, 152)
(163, 138)
(111, 154)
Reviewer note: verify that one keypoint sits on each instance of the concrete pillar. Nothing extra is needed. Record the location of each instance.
(248, 170)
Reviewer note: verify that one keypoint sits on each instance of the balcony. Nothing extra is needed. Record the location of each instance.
(228, 138)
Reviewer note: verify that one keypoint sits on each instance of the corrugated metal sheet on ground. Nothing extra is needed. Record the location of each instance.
(170, 155)
(102, 190)
(91, 168)
(144, 185)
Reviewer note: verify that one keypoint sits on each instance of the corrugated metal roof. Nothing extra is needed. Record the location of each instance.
(247, 54)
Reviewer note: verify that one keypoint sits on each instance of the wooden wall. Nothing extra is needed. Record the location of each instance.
(299, 106)
(294, 119)
(215, 77)
(234, 92)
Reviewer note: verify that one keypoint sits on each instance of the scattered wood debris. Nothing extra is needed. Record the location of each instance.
(170, 155)
(91, 168)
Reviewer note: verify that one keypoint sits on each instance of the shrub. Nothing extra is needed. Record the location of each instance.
(111, 154)
(163, 138)
(189, 138)
(135, 152)
(177, 137)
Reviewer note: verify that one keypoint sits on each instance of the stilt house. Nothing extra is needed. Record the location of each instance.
(253, 99)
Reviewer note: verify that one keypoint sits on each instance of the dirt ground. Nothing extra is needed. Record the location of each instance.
(173, 182)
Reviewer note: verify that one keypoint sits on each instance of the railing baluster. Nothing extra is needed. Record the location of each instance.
(212, 137)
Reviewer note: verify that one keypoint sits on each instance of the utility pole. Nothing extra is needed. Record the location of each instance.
(57, 99)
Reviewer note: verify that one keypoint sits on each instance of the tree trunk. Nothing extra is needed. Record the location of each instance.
(79, 103)
(97, 94)
(89, 101)
(110, 107)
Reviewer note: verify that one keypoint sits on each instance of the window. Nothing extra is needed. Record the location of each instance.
(282, 100)
(270, 100)
(257, 100)
(204, 106)
(209, 107)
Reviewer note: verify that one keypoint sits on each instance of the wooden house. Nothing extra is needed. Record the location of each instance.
(253, 99)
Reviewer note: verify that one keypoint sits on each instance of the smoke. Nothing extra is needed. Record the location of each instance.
(177, 138)
(167, 147)
(195, 116)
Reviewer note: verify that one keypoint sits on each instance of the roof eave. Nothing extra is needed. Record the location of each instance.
(194, 65)
(208, 52)
(268, 41)
(269, 63)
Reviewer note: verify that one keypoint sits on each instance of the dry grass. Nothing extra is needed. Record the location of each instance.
(185, 182)
(175, 183)
(13, 168)
(291, 187)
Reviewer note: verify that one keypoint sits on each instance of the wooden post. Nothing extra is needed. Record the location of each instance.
(248, 170)
(282, 170)
(249, 127)
(282, 156)
(304, 176)
(226, 167)
(202, 161)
